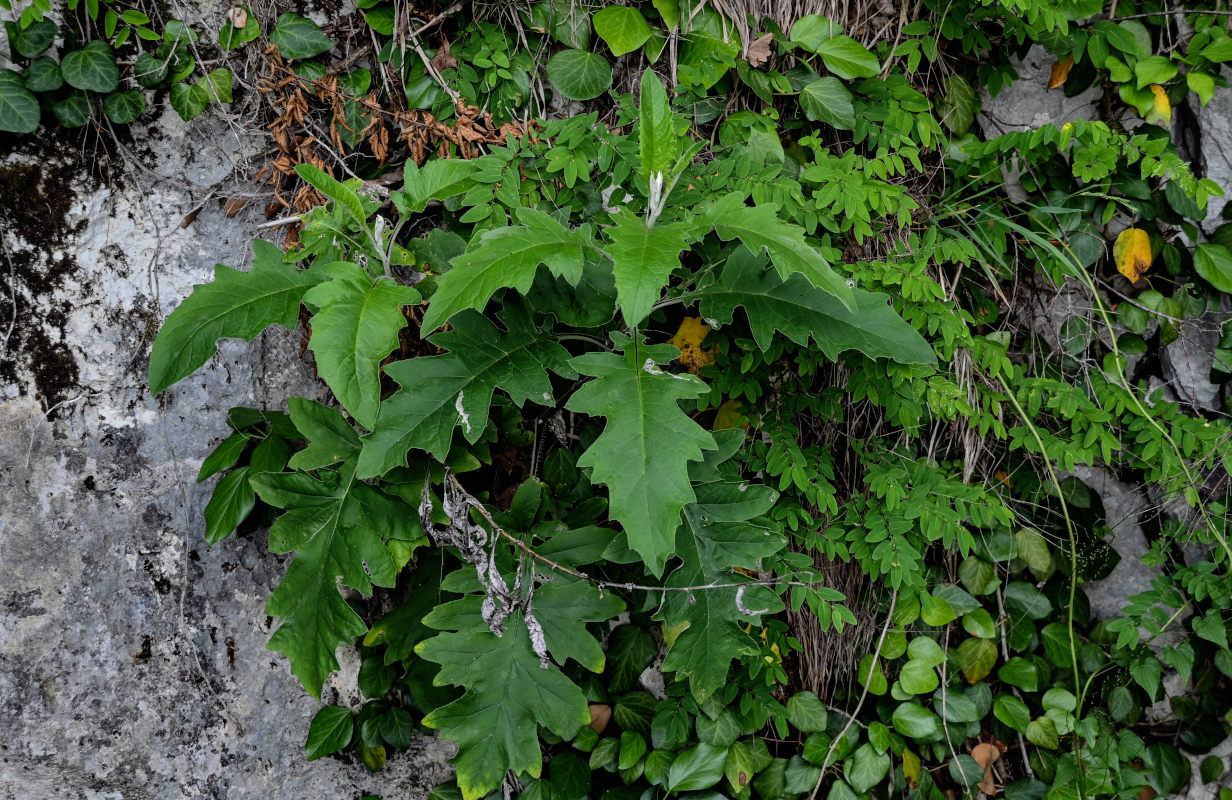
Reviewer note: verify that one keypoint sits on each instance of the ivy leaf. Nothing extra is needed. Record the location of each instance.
(217, 84)
(622, 27)
(32, 40)
(579, 75)
(150, 70)
(230, 36)
(92, 68)
(299, 37)
(441, 392)
(189, 100)
(564, 609)
(648, 441)
(235, 305)
(508, 693)
(801, 312)
(642, 261)
(19, 110)
(507, 257)
(759, 228)
(355, 329)
(337, 528)
(124, 107)
(827, 100)
(715, 633)
(866, 768)
(73, 111)
(43, 75)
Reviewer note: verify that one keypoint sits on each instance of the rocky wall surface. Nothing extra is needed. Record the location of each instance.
(133, 662)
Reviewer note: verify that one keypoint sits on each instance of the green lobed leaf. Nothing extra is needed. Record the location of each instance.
(642, 261)
(439, 393)
(646, 445)
(507, 257)
(435, 180)
(508, 694)
(92, 68)
(337, 528)
(564, 609)
(801, 312)
(236, 305)
(356, 326)
(579, 75)
(299, 37)
(759, 228)
(331, 438)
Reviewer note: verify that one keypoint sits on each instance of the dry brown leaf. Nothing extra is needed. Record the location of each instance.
(190, 217)
(758, 53)
(238, 17)
(233, 206)
(986, 755)
(443, 60)
(1132, 253)
(1060, 71)
(600, 715)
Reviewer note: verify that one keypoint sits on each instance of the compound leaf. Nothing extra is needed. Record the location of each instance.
(235, 305)
(355, 329)
(441, 392)
(646, 446)
(507, 257)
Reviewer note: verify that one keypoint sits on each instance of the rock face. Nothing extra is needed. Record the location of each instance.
(132, 657)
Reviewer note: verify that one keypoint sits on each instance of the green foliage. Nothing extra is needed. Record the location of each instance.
(820, 358)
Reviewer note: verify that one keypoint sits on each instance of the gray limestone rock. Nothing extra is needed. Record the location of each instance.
(132, 657)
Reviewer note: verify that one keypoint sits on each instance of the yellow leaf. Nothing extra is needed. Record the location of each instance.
(1132, 253)
(1060, 71)
(688, 340)
(911, 769)
(732, 415)
(373, 757)
(1160, 112)
(670, 634)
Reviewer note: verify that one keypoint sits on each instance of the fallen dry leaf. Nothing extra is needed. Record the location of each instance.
(600, 715)
(238, 17)
(758, 53)
(1132, 253)
(233, 206)
(1060, 71)
(986, 755)
(443, 60)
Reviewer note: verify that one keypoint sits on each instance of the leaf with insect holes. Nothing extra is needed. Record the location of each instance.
(1132, 253)
(647, 443)
(236, 305)
(439, 393)
(356, 325)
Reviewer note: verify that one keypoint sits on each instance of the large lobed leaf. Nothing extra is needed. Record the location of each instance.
(439, 393)
(355, 329)
(759, 228)
(235, 305)
(646, 446)
(642, 261)
(507, 257)
(509, 694)
(801, 312)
